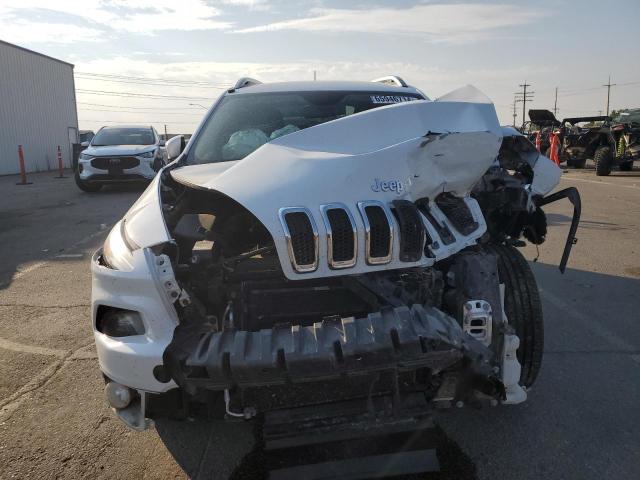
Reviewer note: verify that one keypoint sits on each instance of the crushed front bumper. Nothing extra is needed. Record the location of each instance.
(392, 340)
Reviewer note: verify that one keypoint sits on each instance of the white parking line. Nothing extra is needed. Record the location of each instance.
(35, 266)
(598, 182)
(22, 348)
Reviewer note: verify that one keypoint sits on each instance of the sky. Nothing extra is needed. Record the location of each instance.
(161, 62)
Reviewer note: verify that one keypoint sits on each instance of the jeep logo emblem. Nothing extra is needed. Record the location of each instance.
(388, 186)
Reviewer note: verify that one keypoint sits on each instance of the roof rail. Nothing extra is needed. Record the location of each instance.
(246, 82)
(391, 80)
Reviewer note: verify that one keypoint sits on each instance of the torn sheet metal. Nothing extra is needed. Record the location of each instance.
(407, 151)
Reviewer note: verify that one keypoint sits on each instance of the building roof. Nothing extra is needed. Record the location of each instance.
(36, 53)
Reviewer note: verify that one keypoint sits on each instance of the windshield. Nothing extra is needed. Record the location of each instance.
(123, 136)
(627, 116)
(242, 123)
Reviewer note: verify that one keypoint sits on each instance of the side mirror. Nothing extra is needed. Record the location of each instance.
(175, 146)
(161, 143)
(85, 144)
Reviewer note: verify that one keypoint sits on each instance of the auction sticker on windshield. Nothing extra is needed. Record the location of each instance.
(391, 98)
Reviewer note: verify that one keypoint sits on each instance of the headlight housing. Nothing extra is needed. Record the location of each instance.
(118, 248)
(85, 156)
(149, 154)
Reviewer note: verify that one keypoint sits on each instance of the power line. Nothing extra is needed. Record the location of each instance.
(140, 121)
(154, 84)
(156, 80)
(148, 113)
(138, 95)
(136, 108)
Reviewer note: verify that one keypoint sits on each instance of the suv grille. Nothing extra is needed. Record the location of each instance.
(412, 231)
(458, 213)
(302, 239)
(341, 236)
(379, 232)
(108, 163)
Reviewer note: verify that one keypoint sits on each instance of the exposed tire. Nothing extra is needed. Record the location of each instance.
(603, 160)
(523, 309)
(626, 166)
(86, 186)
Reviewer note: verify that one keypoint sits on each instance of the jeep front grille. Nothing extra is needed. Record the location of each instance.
(411, 230)
(342, 236)
(302, 238)
(379, 230)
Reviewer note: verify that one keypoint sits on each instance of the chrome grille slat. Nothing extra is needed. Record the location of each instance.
(301, 235)
(411, 230)
(379, 231)
(342, 236)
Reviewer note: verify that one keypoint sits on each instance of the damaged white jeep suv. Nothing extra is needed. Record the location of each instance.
(324, 244)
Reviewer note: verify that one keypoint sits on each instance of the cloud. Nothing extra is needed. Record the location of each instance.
(25, 31)
(252, 4)
(450, 23)
(84, 21)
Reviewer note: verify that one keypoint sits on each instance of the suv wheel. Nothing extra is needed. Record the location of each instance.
(86, 186)
(523, 309)
(603, 160)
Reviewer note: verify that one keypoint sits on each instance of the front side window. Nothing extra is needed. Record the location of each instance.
(123, 136)
(242, 123)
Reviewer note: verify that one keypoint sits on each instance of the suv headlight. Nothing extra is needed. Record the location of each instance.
(85, 156)
(149, 154)
(118, 248)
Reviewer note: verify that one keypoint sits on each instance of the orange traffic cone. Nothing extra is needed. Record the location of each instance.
(554, 148)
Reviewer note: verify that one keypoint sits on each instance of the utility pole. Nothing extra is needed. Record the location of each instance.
(555, 104)
(165, 133)
(515, 114)
(314, 76)
(524, 97)
(608, 85)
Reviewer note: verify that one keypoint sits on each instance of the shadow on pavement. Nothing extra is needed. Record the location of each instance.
(221, 450)
(42, 220)
(601, 308)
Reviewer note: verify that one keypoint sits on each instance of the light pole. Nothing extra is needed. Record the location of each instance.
(198, 105)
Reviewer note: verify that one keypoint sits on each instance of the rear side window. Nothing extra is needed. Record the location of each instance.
(242, 123)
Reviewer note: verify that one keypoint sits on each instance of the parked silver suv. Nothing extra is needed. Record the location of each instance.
(118, 154)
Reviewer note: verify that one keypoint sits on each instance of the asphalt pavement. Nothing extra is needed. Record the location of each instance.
(581, 419)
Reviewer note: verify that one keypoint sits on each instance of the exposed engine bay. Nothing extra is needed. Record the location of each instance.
(440, 330)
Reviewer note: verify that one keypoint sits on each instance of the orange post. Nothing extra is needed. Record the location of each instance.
(538, 141)
(23, 171)
(554, 148)
(60, 163)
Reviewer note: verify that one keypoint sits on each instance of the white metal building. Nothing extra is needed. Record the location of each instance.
(37, 109)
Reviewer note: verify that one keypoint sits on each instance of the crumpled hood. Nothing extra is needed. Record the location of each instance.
(109, 150)
(409, 151)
